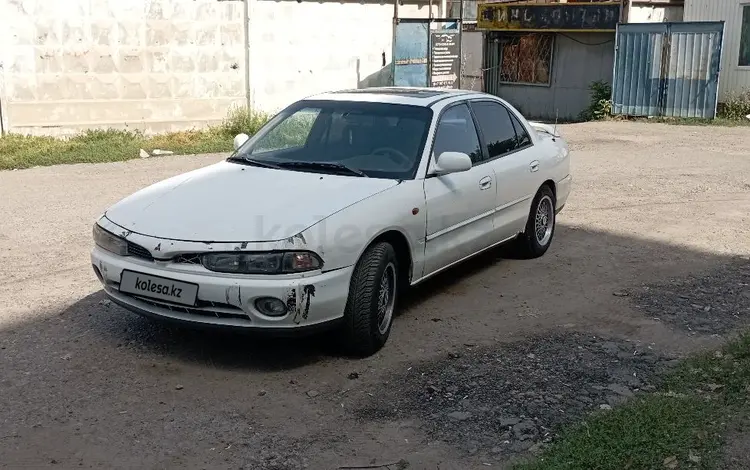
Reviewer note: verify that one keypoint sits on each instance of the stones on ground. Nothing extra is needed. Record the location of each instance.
(714, 302)
(459, 415)
(178, 387)
(671, 462)
(506, 421)
(525, 430)
(353, 375)
(143, 154)
(509, 398)
(262, 393)
(312, 393)
(620, 390)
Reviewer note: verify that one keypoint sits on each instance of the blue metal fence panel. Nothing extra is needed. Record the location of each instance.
(636, 79)
(667, 69)
(410, 53)
(692, 77)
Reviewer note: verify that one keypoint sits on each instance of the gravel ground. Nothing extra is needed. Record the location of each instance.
(495, 402)
(714, 303)
(86, 384)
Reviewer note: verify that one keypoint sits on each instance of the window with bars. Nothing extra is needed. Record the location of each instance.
(527, 59)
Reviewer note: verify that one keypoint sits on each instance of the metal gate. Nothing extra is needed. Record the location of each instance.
(667, 69)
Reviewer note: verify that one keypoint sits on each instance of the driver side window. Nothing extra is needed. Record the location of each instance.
(291, 132)
(456, 133)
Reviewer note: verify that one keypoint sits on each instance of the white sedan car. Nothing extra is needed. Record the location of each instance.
(335, 206)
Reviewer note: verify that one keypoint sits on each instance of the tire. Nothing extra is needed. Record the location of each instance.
(364, 331)
(529, 244)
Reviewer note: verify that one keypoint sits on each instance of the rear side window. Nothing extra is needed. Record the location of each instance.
(522, 137)
(497, 127)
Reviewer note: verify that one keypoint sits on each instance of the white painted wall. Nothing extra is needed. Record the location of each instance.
(300, 49)
(733, 78)
(655, 13)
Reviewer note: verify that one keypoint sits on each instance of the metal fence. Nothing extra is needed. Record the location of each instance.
(667, 69)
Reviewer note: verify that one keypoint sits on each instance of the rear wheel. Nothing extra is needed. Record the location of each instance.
(372, 301)
(540, 227)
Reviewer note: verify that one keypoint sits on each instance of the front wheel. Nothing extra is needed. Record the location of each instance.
(372, 300)
(540, 227)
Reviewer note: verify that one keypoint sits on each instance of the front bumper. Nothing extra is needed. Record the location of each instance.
(315, 300)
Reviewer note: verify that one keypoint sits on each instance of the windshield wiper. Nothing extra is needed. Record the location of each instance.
(254, 162)
(339, 167)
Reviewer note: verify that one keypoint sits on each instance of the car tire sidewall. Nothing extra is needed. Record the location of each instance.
(535, 248)
(361, 335)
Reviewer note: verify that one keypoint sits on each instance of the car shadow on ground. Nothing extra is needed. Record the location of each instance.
(578, 260)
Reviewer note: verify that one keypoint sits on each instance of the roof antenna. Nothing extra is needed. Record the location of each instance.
(554, 130)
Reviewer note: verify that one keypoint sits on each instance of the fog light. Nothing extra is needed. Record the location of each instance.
(98, 274)
(271, 307)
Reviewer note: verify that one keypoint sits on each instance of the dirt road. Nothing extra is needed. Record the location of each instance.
(485, 364)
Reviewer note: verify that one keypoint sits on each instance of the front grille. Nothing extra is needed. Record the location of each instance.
(139, 251)
(197, 311)
(188, 258)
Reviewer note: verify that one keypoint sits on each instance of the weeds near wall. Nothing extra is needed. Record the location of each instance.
(737, 107)
(110, 145)
(241, 120)
(601, 102)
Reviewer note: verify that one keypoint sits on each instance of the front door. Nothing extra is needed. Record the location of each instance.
(459, 205)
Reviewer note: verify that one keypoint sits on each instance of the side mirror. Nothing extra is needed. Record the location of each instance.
(452, 162)
(239, 140)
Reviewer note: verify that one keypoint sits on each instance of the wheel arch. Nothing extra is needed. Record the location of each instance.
(552, 186)
(400, 243)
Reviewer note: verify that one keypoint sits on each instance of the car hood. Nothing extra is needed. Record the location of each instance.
(229, 202)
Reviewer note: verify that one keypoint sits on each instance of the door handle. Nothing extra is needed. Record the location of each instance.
(485, 183)
(534, 166)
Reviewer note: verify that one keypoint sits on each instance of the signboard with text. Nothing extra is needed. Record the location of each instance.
(445, 58)
(553, 17)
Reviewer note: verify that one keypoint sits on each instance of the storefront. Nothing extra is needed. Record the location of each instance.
(543, 58)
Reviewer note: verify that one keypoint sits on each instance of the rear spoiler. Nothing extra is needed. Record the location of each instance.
(546, 128)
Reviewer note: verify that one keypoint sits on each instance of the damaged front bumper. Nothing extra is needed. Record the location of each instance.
(314, 300)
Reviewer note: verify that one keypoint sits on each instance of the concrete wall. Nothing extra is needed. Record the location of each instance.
(158, 65)
(155, 65)
(733, 78)
(578, 60)
(472, 76)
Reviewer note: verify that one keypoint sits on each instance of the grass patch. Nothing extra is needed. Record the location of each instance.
(111, 145)
(680, 426)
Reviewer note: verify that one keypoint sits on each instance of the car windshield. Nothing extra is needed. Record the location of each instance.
(343, 137)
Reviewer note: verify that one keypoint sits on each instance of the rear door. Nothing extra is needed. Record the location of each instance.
(510, 151)
(460, 206)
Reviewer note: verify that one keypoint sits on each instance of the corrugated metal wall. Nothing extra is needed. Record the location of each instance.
(578, 60)
(733, 77)
(667, 69)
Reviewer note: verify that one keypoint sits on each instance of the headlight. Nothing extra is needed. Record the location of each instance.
(281, 262)
(110, 242)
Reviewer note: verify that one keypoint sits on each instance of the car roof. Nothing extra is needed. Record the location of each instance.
(418, 96)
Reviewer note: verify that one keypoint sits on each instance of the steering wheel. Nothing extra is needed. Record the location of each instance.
(392, 152)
